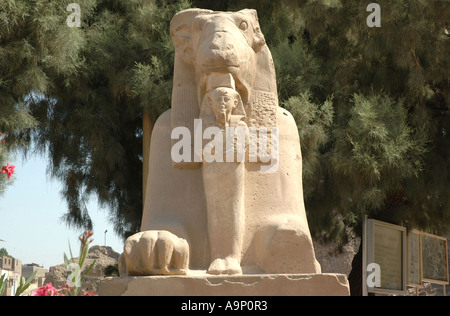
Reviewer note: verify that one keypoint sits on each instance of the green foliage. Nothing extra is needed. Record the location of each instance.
(111, 270)
(298, 71)
(3, 284)
(371, 104)
(4, 252)
(374, 152)
(314, 123)
(90, 119)
(23, 286)
(388, 95)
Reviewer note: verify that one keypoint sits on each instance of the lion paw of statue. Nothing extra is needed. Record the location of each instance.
(154, 252)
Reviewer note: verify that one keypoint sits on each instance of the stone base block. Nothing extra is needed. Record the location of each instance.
(202, 284)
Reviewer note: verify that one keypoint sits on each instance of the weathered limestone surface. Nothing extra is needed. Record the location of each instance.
(242, 222)
(223, 217)
(235, 285)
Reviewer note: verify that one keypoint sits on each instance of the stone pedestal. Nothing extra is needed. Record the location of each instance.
(202, 284)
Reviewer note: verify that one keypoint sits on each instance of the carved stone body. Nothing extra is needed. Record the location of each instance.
(222, 217)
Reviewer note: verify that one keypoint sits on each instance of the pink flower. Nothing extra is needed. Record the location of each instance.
(46, 290)
(9, 170)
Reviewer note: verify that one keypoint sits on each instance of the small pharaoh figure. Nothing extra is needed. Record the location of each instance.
(222, 108)
(224, 104)
(222, 101)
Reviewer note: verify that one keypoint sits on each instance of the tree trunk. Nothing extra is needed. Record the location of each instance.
(147, 127)
(355, 276)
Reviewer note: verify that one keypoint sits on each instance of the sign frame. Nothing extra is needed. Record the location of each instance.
(425, 278)
(417, 233)
(369, 228)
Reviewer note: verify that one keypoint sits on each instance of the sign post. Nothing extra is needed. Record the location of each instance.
(384, 258)
(393, 259)
(414, 260)
(434, 259)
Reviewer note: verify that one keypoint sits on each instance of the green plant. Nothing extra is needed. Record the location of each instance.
(111, 270)
(76, 276)
(22, 286)
(3, 282)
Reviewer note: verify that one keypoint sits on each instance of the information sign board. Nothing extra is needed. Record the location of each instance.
(385, 248)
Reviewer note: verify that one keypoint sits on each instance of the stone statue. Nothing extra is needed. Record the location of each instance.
(233, 204)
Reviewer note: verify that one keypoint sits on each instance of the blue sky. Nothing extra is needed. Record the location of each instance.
(30, 212)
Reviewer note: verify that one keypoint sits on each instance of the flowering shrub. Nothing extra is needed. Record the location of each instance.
(46, 290)
(8, 169)
(50, 290)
